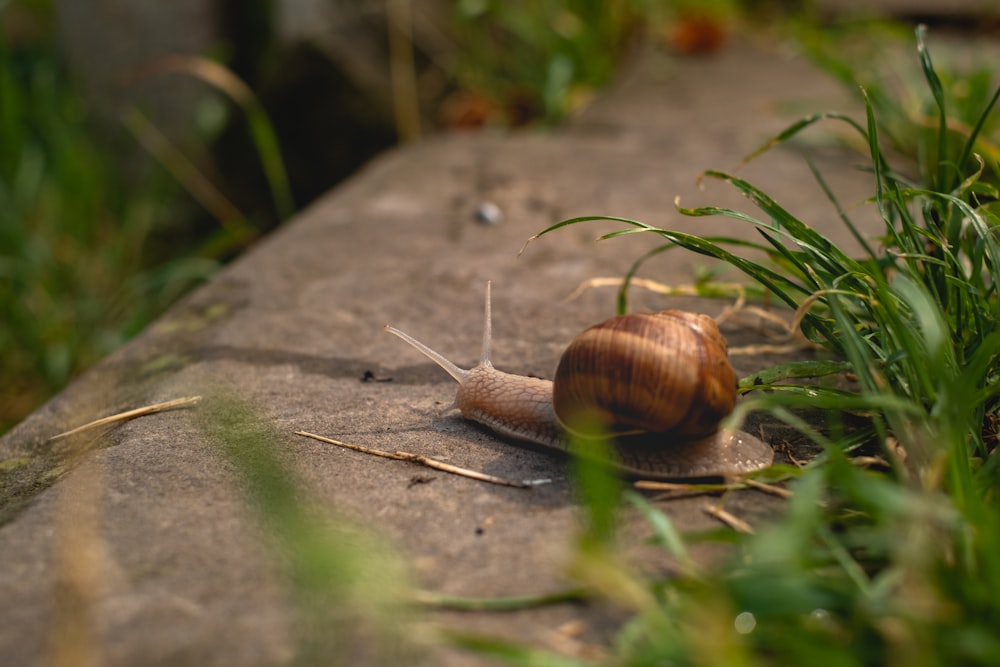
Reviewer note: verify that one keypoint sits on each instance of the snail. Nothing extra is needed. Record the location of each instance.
(658, 383)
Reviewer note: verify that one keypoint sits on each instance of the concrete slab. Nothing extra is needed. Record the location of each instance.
(179, 572)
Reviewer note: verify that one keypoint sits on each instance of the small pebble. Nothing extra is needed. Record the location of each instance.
(489, 213)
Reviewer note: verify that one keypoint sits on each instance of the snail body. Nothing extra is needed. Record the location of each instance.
(658, 384)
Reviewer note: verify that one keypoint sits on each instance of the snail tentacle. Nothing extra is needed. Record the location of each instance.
(460, 374)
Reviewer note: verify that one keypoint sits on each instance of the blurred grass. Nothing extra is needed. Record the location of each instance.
(350, 592)
(76, 276)
(83, 263)
(542, 59)
(528, 61)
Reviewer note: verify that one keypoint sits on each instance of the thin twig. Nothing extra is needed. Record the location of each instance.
(464, 472)
(347, 445)
(731, 289)
(734, 522)
(779, 491)
(130, 414)
(428, 462)
(688, 490)
(678, 489)
(767, 348)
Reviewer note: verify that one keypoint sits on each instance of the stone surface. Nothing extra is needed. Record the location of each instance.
(171, 560)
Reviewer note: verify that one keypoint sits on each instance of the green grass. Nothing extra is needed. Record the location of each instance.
(93, 248)
(893, 567)
(536, 60)
(76, 278)
(874, 54)
(542, 61)
(350, 594)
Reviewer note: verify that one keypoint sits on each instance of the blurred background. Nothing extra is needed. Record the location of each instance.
(143, 144)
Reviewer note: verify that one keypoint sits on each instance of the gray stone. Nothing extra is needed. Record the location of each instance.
(151, 530)
(113, 48)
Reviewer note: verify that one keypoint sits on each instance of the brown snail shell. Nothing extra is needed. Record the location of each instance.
(665, 372)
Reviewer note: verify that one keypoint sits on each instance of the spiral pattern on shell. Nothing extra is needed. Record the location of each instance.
(665, 372)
